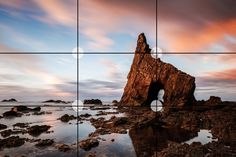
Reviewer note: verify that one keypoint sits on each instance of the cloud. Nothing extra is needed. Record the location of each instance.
(57, 12)
(53, 12)
(105, 90)
(192, 25)
(221, 83)
(98, 25)
(22, 93)
(113, 70)
(25, 76)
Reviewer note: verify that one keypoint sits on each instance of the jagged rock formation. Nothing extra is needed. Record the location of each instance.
(148, 76)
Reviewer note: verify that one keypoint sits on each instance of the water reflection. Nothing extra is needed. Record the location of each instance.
(204, 137)
(149, 139)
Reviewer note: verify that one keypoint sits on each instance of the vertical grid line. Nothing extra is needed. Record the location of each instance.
(156, 71)
(77, 71)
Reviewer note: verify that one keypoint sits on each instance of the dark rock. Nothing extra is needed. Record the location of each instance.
(13, 141)
(2, 126)
(21, 125)
(112, 140)
(114, 101)
(100, 113)
(86, 115)
(56, 101)
(11, 114)
(120, 121)
(213, 100)
(148, 76)
(6, 133)
(9, 100)
(37, 130)
(63, 147)
(93, 101)
(99, 108)
(89, 143)
(22, 108)
(44, 143)
(37, 109)
(66, 118)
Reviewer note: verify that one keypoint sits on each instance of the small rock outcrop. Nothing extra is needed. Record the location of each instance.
(9, 100)
(93, 101)
(149, 75)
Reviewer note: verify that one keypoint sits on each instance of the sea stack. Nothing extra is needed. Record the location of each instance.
(149, 75)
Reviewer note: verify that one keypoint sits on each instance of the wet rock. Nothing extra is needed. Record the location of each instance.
(38, 129)
(9, 132)
(93, 101)
(2, 126)
(148, 76)
(101, 113)
(66, 118)
(89, 143)
(22, 108)
(45, 143)
(63, 147)
(21, 125)
(120, 121)
(9, 100)
(86, 115)
(13, 141)
(175, 149)
(11, 114)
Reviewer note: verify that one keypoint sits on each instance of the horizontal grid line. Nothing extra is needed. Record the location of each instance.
(107, 53)
(101, 106)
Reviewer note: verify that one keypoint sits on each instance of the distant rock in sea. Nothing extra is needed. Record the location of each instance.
(93, 101)
(9, 100)
(149, 75)
(57, 101)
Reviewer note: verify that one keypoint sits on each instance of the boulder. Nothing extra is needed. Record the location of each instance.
(63, 147)
(89, 143)
(44, 143)
(13, 141)
(213, 100)
(66, 118)
(93, 101)
(149, 75)
(36, 130)
(11, 114)
(2, 126)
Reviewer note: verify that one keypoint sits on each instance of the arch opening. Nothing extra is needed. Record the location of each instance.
(155, 96)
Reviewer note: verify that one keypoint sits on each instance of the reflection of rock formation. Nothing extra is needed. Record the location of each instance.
(148, 75)
(150, 139)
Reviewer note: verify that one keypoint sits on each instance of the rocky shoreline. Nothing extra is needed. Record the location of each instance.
(219, 118)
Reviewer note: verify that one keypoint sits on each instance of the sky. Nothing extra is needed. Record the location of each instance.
(31, 27)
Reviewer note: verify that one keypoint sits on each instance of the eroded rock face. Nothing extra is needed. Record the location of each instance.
(148, 76)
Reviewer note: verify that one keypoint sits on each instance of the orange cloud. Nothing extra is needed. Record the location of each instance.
(202, 39)
(229, 74)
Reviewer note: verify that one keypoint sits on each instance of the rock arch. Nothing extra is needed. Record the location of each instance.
(148, 75)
